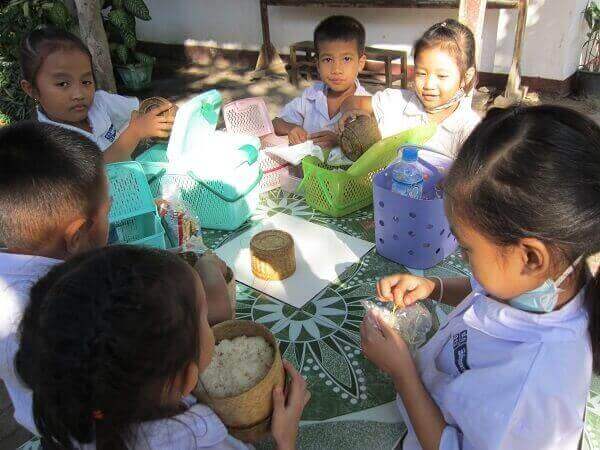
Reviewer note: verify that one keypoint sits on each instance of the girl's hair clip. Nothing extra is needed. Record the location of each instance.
(97, 414)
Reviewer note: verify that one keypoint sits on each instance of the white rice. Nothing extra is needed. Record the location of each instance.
(237, 365)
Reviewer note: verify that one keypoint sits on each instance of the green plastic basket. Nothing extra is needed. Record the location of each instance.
(338, 193)
(132, 216)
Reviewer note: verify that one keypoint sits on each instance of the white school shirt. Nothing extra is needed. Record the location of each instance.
(398, 110)
(197, 428)
(310, 111)
(507, 379)
(108, 116)
(17, 274)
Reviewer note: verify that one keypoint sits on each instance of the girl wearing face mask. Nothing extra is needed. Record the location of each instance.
(445, 74)
(511, 366)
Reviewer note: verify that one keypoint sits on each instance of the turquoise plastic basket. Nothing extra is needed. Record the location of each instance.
(132, 216)
(222, 204)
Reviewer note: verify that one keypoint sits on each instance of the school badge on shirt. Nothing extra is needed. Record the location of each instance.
(111, 134)
(459, 342)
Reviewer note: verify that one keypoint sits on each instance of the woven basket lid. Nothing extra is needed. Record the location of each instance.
(156, 102)
(271, 242)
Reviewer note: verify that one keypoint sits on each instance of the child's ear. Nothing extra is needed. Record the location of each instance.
(28, 88)
(76, 236)
(469, 76)
(536, 257)
(361, 62)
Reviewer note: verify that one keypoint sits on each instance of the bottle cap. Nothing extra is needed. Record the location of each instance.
(410, 154)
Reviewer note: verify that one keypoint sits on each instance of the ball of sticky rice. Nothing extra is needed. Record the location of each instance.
(237, 365)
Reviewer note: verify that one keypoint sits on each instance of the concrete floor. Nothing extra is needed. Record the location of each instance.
(178, 83)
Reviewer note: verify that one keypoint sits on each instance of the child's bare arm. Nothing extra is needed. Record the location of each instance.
(212, 272)
(151, 124)
(296, 133)
(405, 289)
(385, 348)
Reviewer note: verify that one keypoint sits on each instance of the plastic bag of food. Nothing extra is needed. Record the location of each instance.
(412, 323)
(179, 222)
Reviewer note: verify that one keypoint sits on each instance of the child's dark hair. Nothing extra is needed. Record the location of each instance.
(340, 28)
(47, 172)
(42, 42)
(102, 339)
(534, 172)
(456, 39)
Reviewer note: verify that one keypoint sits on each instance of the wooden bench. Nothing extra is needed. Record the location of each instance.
(373, 54)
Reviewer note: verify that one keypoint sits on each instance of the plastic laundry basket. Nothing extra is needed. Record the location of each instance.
(250, 116)
(336, 192)
(133, 218)
(409, 231)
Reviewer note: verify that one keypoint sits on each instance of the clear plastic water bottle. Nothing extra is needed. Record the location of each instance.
(407, 175)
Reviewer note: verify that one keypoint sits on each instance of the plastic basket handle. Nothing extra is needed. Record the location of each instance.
(251, 153)
(383, 152)
(226, 197)
(159, 174)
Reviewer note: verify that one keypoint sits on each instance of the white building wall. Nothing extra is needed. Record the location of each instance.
(555, 29)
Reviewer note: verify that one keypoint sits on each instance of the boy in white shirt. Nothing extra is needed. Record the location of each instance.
(339, 43)
(54, 202)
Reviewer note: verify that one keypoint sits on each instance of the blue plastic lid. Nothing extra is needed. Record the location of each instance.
(410, 154)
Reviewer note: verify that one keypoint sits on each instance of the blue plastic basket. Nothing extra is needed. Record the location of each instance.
(132, 216)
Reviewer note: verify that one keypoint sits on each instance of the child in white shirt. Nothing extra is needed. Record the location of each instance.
(57, 71)
(511, 366)
(444, 78)
(123, 340)
(339, 43)
(55, 193)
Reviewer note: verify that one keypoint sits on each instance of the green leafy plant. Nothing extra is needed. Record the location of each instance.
(17, 18)
(591, 47)
(119, 23)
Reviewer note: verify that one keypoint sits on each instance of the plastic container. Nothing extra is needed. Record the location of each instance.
(413, 232)
(407, 176)
(223, 204)
(336, 192)
(133, 218)
(224, 196)
(250, 116)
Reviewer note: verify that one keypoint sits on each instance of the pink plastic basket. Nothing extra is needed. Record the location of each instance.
(250, 116)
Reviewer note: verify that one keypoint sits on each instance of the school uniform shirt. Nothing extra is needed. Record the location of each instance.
(310, 111)
(108, 115)
(507, 379)
(17, 274)
(196, 428)
(398, 110)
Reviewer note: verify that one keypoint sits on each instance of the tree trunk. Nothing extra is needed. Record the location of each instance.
(93, 35)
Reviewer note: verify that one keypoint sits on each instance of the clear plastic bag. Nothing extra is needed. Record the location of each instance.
(337, 158)
(412, 323)
(180, 223)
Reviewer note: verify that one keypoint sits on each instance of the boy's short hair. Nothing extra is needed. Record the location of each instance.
(46, 174)
(340, 28)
